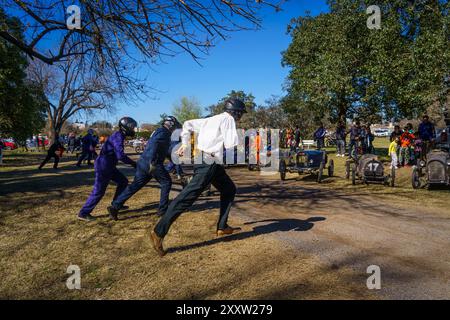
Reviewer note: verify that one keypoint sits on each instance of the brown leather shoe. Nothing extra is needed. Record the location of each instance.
(157, 243)
(227, 231)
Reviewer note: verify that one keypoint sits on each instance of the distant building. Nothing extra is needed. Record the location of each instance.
(79, 125)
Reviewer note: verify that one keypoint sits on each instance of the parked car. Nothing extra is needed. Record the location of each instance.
(369, 169)
(10, 144)
(381, 133)
(432, 172)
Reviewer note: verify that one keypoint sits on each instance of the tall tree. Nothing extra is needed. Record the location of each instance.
(69, 91)
(187, 108)
(115, 34)
(22, 104)
(339, 68)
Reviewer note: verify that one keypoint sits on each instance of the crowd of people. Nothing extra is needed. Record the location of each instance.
(360, 138)
(407, 144)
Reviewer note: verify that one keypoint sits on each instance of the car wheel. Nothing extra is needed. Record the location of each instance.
(282, 170)
(415, 178)
(331, 168)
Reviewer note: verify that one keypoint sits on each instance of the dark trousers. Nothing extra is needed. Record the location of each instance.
(427, 146)
(352, 147)
(340, 146)
(140, 180)
(320, 143)
(86, 154)
(102, 179)
(47, 159)
(204, 175)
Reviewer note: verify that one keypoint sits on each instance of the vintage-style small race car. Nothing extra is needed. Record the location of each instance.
(432, 172)
(306, 162)
(369, 169)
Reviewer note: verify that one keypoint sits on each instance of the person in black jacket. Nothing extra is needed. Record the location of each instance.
(52, 153)
(149, 165)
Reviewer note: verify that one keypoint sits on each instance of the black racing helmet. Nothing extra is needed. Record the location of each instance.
(235, 107)
(234, 104)
(172, 123)
(127, 126)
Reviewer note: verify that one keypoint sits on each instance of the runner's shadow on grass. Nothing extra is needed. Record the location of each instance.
(275, 225)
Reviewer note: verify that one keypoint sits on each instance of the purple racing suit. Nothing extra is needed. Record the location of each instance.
(105, 170)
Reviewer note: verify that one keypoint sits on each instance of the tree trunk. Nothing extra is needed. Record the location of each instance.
(53, 131)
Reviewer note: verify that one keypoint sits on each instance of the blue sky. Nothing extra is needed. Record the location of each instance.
(248, 60)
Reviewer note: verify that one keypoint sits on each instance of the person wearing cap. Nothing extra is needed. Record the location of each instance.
(149, 165)
(214, 133)
(105, 167)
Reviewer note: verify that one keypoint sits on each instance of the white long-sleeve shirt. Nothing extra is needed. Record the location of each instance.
(213, 133)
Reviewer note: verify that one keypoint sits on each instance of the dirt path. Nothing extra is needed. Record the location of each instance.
(349, 228)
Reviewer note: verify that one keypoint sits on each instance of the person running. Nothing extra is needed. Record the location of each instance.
(171, 167)
(86, 148)
(214, 133)
(149, 165)
(105, 167)
(71, 143)
(55, 148)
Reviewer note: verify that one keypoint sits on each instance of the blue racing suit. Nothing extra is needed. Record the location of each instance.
(154, 155)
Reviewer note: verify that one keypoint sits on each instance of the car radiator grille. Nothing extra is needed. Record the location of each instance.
(436, 171)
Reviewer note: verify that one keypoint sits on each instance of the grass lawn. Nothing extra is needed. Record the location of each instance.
(40, 237)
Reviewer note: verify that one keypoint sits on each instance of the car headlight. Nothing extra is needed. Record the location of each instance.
(422, 163)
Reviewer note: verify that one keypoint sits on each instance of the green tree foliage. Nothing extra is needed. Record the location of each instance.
(22, 104)
(187, 108)
(341, 69)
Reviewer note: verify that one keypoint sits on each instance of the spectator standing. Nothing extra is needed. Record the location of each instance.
(297, 136)
(340, 139)
(369, 138)
(396, 133)
(406, 141)
(393, 147)
(355, 133)
(2, 145)
(319, 136)
(427, 134)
